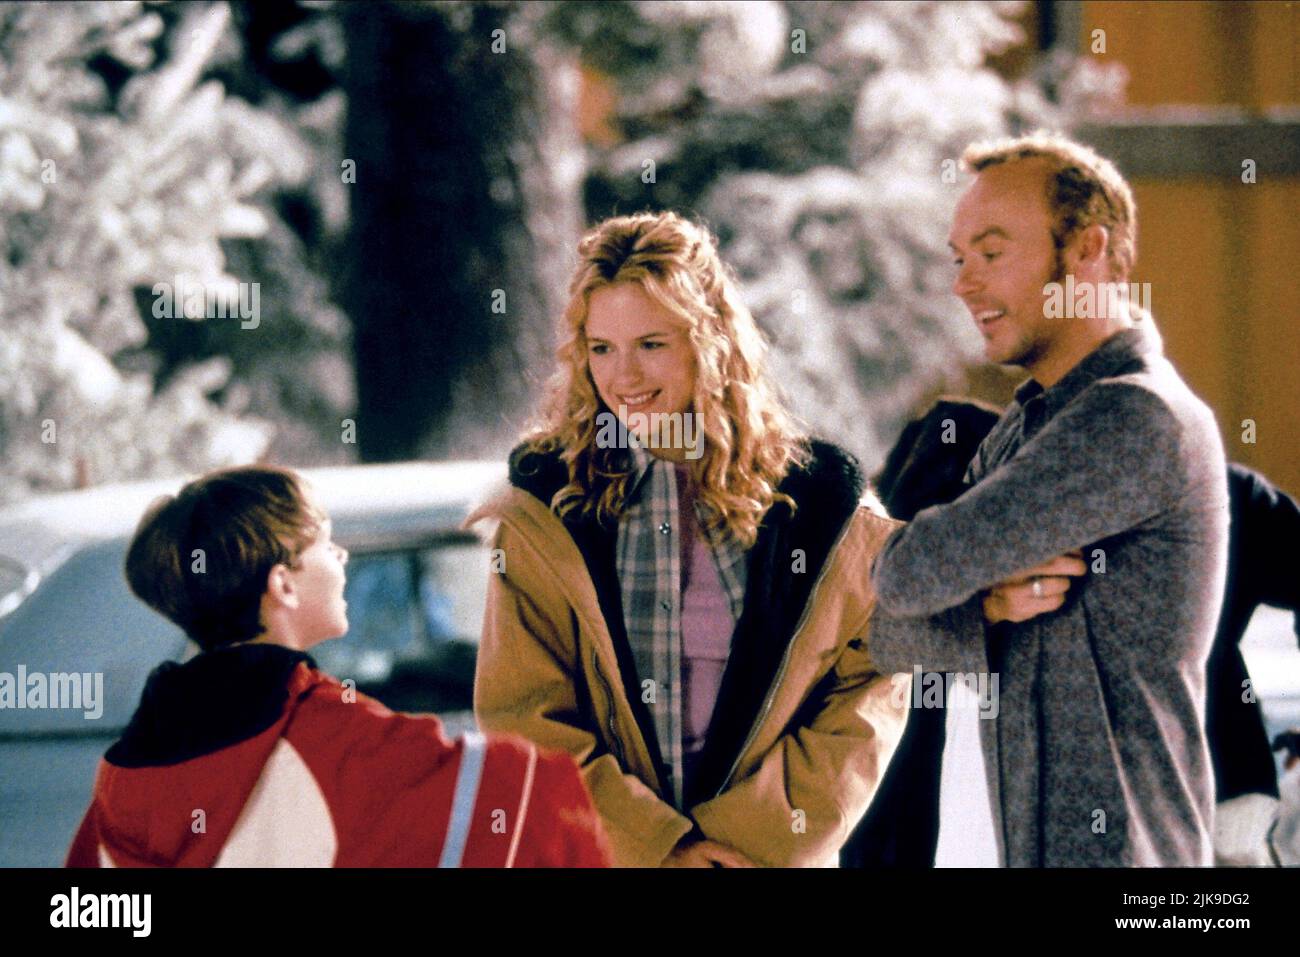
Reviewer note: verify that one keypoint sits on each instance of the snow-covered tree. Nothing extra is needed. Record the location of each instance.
(464, 217)
(121, 169)
(820, 141)
(139, 143)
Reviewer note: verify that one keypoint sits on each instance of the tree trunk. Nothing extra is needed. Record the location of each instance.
(464, 210)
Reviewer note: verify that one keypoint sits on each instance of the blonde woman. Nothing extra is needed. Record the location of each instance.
(681, 598)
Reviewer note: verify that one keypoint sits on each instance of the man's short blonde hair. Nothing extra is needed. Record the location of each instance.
(1083, 188)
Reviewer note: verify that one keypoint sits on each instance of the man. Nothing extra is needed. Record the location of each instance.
(926, 467)
(1106, 464)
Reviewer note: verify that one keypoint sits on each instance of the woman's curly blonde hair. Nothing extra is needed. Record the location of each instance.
(750, 441)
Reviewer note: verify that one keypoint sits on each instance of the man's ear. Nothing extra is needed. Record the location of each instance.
(1090, 245)
(280, 589)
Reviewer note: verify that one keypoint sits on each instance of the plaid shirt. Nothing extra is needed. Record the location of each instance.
(650, 575)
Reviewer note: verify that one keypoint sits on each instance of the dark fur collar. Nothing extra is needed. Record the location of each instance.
(831, 483)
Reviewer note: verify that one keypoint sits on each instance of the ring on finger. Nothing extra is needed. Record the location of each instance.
(1037, 587)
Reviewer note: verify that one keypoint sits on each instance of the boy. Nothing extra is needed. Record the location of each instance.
(247, 755)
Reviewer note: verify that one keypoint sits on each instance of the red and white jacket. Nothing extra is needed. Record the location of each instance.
(250, 757)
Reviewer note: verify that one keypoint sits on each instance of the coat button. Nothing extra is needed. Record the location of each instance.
(665, 528)
(666, 605)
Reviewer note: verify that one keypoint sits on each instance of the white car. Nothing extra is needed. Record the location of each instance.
(416, 591)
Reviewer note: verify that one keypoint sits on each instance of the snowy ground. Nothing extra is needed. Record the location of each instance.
(1273, 660)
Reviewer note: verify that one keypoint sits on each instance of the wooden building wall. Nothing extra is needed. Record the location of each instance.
(1222, 255)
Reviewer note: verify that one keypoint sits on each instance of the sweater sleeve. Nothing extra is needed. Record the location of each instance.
(951, 640)
(1103, 465)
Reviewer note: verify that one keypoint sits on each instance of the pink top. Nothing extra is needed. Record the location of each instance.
(707, 626)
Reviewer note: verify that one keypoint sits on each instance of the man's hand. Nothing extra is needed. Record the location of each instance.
(698, 852)
(1035, 591)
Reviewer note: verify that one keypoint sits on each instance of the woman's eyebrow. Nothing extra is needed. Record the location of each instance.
(648, 335)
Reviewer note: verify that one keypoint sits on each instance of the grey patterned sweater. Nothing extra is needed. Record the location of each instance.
(1097, 755)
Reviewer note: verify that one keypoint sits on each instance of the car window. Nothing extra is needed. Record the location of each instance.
(82, 626)
(414, 619)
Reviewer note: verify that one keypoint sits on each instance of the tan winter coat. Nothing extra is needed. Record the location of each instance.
(547, 670)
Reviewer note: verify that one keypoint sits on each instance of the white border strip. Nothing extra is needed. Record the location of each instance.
(523, 805)
(473, 753)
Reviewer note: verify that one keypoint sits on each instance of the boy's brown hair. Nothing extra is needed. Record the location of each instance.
(202, 557)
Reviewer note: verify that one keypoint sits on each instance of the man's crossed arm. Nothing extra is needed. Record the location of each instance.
(1103, 465)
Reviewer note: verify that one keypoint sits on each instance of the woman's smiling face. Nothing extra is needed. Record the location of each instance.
(640, 357)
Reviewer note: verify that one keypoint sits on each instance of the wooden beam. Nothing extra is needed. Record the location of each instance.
(1165, 142)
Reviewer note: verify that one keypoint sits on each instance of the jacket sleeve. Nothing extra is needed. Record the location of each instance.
(799, 805)
(85, 846)
(479, 801)
(526, 683)
(569, 832)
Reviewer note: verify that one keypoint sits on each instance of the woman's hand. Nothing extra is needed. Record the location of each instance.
(1035, 591)
(700, 852)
